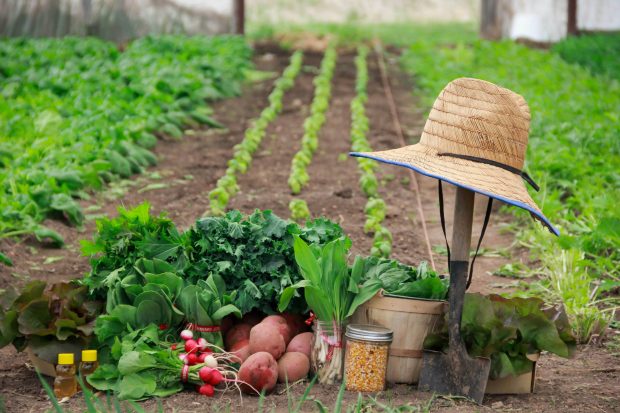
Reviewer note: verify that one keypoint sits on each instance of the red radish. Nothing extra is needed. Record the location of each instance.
(206, 373)
(206, 390)
(173, 347)
(187, 335)
(216, 378)
(192, 359)
(191, 346)
(202, 356)
(202, 344)
(211, 361)
(183, 357)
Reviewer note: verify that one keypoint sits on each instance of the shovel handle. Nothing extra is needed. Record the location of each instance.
(459, 264)
(456, 298)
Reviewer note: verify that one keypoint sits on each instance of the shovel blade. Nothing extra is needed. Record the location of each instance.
(455, 374)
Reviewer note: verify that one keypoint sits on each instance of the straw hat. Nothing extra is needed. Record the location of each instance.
(475, 137)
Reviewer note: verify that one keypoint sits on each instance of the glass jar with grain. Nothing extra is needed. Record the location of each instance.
(366, 357)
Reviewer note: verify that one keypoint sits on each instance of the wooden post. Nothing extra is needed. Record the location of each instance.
(571, 29)
(239, 16)
(462, 223)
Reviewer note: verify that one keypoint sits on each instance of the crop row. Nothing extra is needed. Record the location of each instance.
(299, 177)
(375, 208)
(242, 157)
(78, 113)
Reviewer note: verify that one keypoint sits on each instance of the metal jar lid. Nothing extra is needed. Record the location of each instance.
(368, 332)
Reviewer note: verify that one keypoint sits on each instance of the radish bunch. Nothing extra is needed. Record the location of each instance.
(196, 351)
(213, 372)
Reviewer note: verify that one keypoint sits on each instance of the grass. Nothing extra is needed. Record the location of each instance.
(599, 53)
(351, 34)
(573, 153)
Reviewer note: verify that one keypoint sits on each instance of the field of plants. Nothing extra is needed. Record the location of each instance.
(187, 206)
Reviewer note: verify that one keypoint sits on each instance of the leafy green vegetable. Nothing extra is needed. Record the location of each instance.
(205, 305)
(143, 366)
(400, 279)
(507, 331)
(331, 290)
(600, 53)
(375, 208)
(76, 113)
(45, 317)
(299, 209)
(299, 177)
(253, 255)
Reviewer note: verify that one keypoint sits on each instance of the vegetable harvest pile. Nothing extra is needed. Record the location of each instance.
(167, 309)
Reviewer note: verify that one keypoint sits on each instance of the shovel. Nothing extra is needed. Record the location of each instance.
(455, 372)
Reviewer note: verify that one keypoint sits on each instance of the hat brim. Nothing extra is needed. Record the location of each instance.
(484, 179)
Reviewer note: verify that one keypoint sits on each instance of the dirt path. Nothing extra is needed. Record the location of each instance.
(189, 169)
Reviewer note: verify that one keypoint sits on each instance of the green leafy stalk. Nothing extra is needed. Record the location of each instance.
(332, 292)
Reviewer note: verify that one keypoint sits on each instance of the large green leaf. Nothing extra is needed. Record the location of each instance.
(35, 318)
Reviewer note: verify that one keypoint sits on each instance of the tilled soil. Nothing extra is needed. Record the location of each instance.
(190, 167)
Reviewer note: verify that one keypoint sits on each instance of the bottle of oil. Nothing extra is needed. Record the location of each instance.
(88, 365)
(65, 383)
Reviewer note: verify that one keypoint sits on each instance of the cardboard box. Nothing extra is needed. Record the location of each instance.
(521, 384)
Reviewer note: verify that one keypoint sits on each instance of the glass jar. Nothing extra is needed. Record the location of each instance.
(326, 356)
(366, 357)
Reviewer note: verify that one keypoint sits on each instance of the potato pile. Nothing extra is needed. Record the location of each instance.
(271, 349)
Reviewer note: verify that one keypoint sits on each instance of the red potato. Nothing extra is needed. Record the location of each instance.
(236, 334)
(267, 337)
(301, 343)
(283, 327)
(296, 323)
(241, 351)
(259, 372)
(292, 367)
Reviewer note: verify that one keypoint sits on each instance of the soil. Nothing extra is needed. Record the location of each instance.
(190, 167)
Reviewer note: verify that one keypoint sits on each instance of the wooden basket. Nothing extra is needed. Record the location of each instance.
(411, 320)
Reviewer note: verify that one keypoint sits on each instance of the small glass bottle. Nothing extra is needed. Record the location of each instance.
(366, 357)
(88, 365)
(65, 383)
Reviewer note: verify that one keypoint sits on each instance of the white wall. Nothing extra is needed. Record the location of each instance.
(598, 15)
(367, 11)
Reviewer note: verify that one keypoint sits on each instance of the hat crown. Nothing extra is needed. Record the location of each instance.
(476, 118)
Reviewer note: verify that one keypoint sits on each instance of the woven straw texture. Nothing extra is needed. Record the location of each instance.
(475, 118)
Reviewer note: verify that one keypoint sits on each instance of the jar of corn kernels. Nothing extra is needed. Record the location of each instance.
(366, 357)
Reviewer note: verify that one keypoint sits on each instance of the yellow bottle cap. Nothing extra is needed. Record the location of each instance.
(65, 358)
(89, 355)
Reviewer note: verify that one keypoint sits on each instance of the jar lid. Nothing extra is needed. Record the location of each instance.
(89, 355)
(368, 332)
(65, 358)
